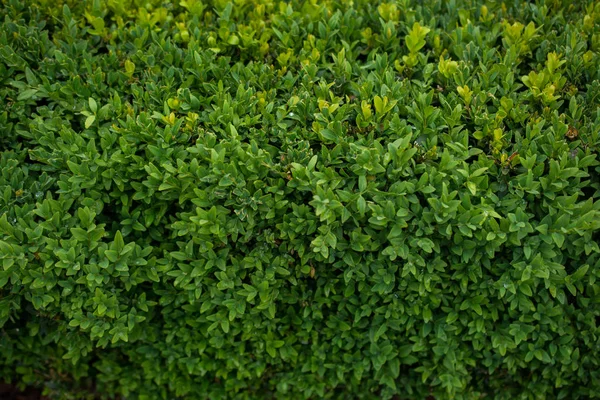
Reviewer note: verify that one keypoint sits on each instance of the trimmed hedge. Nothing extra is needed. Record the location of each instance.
(306, 199)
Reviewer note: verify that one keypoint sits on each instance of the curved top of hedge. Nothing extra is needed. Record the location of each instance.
(304, 199)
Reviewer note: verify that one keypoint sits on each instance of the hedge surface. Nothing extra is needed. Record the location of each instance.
(305, 199)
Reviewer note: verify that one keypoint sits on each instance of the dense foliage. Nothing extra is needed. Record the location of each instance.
(304, 199)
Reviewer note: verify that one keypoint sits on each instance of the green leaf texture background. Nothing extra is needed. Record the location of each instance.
(338, 199)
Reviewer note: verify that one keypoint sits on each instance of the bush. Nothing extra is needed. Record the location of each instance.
(337, 199)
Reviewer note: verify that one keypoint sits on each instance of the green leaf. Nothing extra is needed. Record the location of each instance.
(93, 106)
(379, 106)
(361, 204)
(89, 121)
(558, 238)
(179, 255)
(472, 187)
(226, 181)
(112, 255)
(580, 273)
(225, 325)
(26, 94)
(119, 243)
(79, 234)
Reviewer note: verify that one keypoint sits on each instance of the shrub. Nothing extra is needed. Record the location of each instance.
(337, 199)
